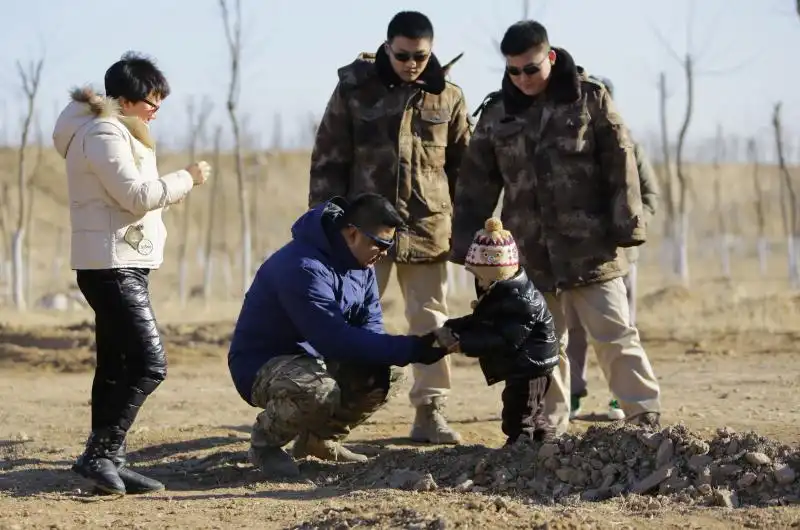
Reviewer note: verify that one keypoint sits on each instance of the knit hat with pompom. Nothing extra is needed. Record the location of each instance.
(493, 254)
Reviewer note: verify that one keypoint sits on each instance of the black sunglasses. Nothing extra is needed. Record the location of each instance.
(528, 69)
(404, 57)
(382, 244)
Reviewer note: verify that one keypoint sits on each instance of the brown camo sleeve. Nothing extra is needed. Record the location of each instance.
(332, 156)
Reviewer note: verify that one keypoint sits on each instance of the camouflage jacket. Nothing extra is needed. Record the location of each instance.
(404, 141)
(648, 184)
(566, 165)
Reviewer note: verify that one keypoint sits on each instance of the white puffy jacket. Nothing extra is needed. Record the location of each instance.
(116, 195)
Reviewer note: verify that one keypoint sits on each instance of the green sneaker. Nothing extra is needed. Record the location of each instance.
(614, 410)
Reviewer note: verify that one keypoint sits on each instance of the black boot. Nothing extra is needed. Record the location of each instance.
(134, 482)
(95, 463)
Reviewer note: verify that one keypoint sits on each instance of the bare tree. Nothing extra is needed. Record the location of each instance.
(667, 175)
(790, 211)
(33, 181)
(196, 135)
(761, 224)
(30, 79)
(213, 197)
(723, 230)
(683, 177)
(233, 35)
(5, 220)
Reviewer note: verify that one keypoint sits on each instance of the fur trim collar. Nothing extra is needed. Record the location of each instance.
(104, 107)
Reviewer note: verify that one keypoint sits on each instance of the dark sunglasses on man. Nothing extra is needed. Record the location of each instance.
(404, 57)
(529, 69)
(382, 244)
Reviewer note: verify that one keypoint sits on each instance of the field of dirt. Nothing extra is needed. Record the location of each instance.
(727, 353)
(728, 455)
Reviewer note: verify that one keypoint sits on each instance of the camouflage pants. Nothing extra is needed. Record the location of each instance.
(300, 393)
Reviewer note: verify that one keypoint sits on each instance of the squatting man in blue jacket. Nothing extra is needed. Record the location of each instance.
(309, 347)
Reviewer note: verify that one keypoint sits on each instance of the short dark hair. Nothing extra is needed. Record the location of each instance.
(371, 211)
(409, 24)
(522, 36)
(134, 77)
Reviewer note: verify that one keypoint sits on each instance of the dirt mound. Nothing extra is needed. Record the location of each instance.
(72, 349)
(776, 311)
(731, 469)
(339, 518)
(670, 296)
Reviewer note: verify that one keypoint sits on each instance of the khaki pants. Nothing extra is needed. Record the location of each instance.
(578, 346)
(603, 310)
(424, 288)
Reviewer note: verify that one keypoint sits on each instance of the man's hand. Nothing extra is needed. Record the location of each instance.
(447, 339)
(427, 351)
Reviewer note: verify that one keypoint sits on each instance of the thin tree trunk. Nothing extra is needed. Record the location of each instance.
(667, 176)
(208, 272)
(790, 212)
(233, 33)
(30, 84)
(762, 246)
(683, 178)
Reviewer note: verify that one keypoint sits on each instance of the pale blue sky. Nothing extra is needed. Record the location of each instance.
(293, 49)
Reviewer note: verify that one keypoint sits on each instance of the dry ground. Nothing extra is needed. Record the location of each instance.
(726, 352)
(192, 434)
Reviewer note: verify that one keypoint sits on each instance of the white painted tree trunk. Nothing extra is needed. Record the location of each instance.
(228, 274)
(792, 251)
(762, 247)
(725, 254)
(208, 277)
(18, 269)
(682, 261)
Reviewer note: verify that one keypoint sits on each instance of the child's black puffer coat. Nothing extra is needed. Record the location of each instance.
(511, 331)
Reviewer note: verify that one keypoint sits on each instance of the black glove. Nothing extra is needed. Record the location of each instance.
(426, 352)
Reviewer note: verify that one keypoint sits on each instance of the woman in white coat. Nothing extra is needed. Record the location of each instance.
(116, 200)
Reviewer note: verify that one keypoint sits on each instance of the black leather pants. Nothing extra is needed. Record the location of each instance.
(130, 356)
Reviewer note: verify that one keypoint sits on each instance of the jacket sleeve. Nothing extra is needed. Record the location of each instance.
(477, 190)
(481, 340)
(372, 304)
(458, 135)
(108, 152)
(618, 168)
(306, 294)
(648, 182)
(332, 156)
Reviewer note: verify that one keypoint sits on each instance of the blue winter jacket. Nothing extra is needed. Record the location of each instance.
(312, 296)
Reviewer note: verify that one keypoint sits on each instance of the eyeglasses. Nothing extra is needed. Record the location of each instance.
(528, 69)
(153, 107)
(382, 244)
(404, 57)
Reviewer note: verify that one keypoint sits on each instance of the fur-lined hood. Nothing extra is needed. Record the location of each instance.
(85, 106)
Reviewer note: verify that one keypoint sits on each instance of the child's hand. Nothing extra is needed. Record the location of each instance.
(447, 339)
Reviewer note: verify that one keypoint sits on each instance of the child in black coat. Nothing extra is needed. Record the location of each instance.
(510, 331)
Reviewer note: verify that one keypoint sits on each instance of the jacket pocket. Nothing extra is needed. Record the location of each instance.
(433, 190)
(432, 126)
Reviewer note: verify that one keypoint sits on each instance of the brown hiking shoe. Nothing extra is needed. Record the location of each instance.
(331, 450)
(430, 426)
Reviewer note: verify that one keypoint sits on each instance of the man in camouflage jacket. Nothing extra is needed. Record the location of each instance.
(552, 141)
(396, 127)
(578, 346)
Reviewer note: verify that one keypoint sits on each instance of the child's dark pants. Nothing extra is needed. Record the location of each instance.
(523, 408)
